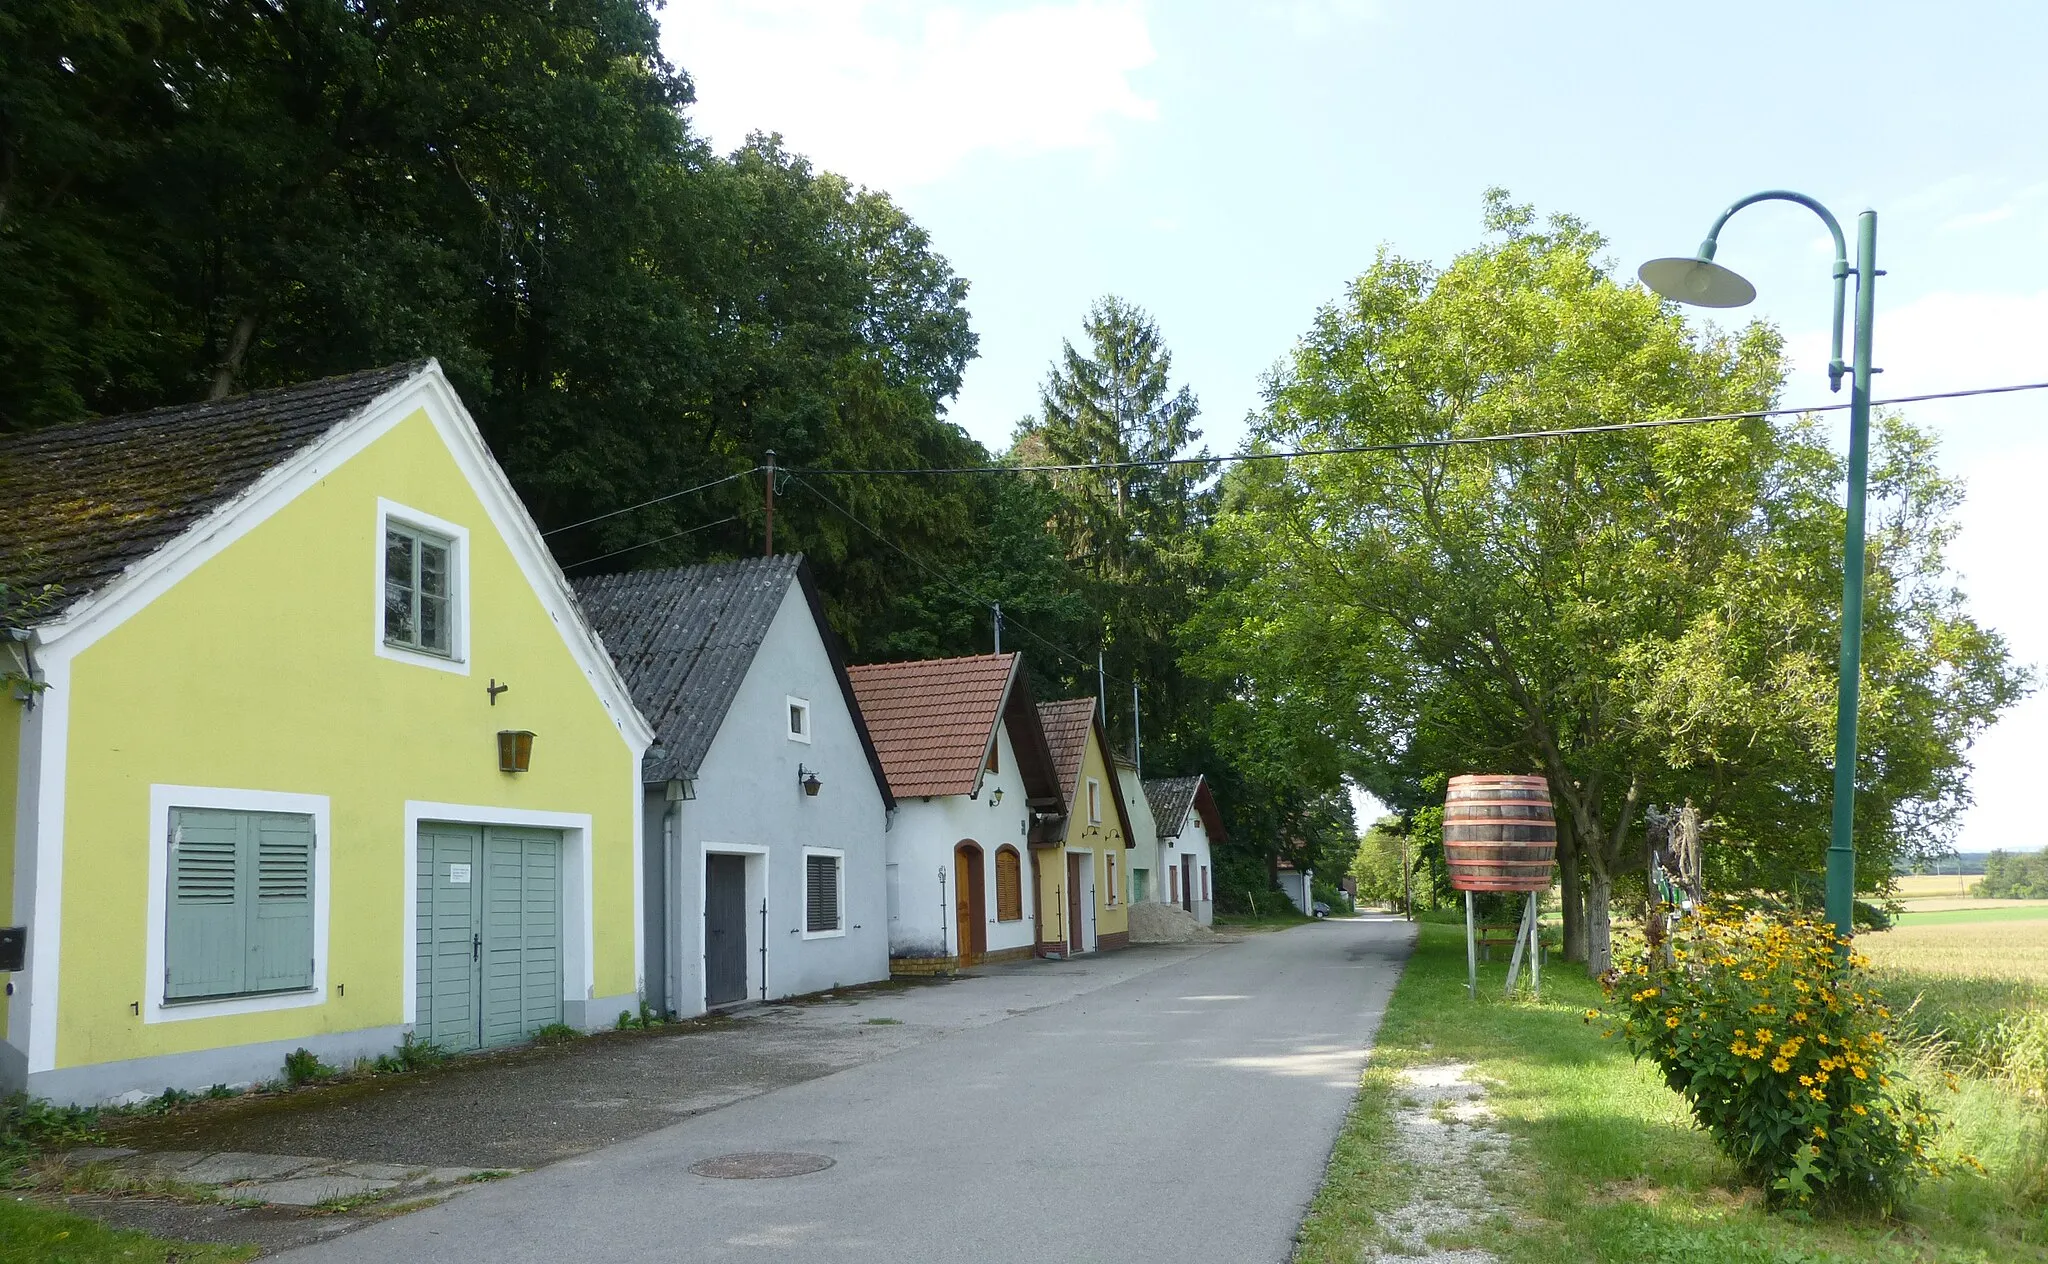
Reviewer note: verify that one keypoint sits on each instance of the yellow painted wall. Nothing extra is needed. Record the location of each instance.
(258, 672)
(1107, 840)
(1103, 838)
(10, 794)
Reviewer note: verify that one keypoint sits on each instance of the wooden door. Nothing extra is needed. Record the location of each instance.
(446, 1009)
(520, 949)
(725, 929)
(970, 904)
(1076, 881)
(1187, 884)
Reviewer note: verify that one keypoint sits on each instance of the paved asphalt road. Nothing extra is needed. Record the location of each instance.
(1183, 1114)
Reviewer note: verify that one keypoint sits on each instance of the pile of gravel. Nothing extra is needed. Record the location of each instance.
(1165, 924)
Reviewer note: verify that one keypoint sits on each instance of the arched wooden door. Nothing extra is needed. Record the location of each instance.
(970, 903)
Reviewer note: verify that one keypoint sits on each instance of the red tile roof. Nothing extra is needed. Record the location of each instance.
(1066, 732)
(932, 720)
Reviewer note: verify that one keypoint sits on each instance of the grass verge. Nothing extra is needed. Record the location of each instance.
(31, 1233)
(1608, 1166)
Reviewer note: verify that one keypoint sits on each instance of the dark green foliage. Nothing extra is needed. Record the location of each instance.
(2015, 876)
(302, 1067)
(410, 1055)
(30, 1124)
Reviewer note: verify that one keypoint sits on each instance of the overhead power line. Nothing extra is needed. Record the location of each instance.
(1009, 622)
(673, 535)
(613, 513)
(1460, 441)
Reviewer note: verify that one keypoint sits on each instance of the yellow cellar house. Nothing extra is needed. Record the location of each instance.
(1084, 873)
(307, 746)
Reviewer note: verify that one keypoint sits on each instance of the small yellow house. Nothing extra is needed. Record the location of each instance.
(1083, 875)
(319, 752)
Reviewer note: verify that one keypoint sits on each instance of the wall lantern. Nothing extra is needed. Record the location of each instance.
(996, 799)
(808, 779)
(515, 750)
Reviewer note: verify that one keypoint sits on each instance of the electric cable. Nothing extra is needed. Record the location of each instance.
(673, 535)
(613, 513)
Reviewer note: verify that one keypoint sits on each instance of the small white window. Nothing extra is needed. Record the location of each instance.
(799, 719)
(824, 893)
(1094, 801)
(422, 589)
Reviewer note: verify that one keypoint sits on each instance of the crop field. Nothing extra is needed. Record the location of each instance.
(1920, 886)
(1965, 944)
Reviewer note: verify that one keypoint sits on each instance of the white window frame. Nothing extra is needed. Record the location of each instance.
(457, 659)
(804, 926)
(793, 703)
(1110, 877)
(163, 800)
(1094, 801)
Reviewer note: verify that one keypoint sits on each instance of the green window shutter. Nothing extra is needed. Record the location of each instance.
(821, 893)
(281, 914)
(205, 929)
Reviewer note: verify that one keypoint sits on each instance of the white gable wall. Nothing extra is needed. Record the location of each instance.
(923, 841)
(1191, 850)
(1143, 856)
(748, 799)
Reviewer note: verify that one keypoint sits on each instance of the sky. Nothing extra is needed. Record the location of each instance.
(1229, 166)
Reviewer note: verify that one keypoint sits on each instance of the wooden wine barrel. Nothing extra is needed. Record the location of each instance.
(1499, 833)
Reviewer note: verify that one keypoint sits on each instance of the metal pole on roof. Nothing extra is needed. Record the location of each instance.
(768, 509)
(1101, 687)
(999, 627)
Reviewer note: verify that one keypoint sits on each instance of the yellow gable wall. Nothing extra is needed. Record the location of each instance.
(258, 672)
(1107, 841)
(1104, 839)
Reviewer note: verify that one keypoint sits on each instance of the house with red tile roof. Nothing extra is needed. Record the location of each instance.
(1189, 827)
(1084, 872)
(976, 789)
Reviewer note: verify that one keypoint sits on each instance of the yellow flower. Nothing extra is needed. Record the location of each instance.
(1671, 1020)
(1858, 1108)
(1817, 1095)
(1779, 1065)
(1807, 1080)
(1861, 1074)
(1820, 1132)
(1748, 976)
(1592, 1014)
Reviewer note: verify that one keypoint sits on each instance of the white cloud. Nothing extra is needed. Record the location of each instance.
(1977, 219)
(898, 92)
(1318, 17)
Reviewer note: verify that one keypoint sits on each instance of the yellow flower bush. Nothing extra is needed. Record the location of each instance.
(1806, 1103)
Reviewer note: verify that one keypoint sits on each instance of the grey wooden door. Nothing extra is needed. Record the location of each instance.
(489, 934)
(725, 929)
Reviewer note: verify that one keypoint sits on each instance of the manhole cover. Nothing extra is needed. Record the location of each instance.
(756, 1167)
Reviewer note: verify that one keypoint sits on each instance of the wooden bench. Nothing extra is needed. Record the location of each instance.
(1491, 935)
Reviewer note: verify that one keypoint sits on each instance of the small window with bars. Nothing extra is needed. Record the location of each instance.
(419, 586)
(1110, 862)
(1094, 801)
(824, 913)
(1009, 884)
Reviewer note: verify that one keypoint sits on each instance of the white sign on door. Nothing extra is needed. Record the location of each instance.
(458, 875)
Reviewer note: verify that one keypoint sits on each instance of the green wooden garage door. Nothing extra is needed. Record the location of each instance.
(489, 934)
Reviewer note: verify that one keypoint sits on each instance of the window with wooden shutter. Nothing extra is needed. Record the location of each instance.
(821, 894)
(1109, 862)
(238, 918)
(1009, 885)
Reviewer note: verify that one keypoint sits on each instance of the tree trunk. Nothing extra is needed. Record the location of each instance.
(1571, 891)
(1599, 921)
(231, 363)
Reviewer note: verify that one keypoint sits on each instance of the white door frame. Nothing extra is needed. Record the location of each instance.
(757, 891)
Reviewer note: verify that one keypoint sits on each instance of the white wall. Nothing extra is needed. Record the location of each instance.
(1191, 846)
(1299, 886)
(747, 796)
(1145, 855)
(923, 840)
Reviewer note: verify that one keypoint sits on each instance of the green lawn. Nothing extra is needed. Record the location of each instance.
(1953, 917)
(1608, 1166)
(34, 1234)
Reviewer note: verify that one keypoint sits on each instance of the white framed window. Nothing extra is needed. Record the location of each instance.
(238, 902)
(1094, 801)
(422, 589)
(799, 719)
(1109, 862)
(824, 892)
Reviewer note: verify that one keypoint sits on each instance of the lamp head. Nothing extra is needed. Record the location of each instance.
(1698, 281)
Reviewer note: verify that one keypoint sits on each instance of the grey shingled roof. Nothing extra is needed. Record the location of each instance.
(684, 638)
(80, 504)
(1171, 797)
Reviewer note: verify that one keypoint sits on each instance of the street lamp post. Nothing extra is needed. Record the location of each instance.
(1704, 283)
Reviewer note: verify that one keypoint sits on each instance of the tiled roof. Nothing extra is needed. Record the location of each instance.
(1066, 732)
(80, 504)
(684, 638)
(1171, 797)
(932, 719)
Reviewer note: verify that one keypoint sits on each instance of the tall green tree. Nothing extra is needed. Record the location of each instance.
(1643, 617)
